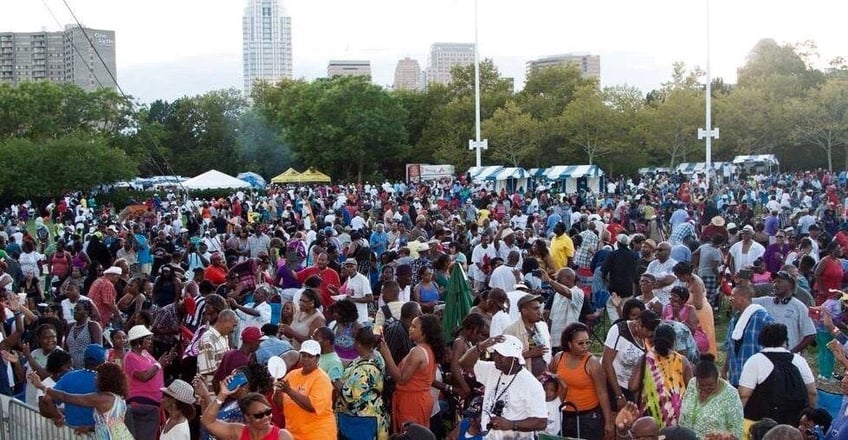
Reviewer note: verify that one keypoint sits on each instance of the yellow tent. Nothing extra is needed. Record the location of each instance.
(288, 176)
(313, 175)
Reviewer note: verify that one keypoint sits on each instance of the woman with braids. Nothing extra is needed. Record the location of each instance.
(663, 378)
(412, 401)
(710, 403)
(108, 403)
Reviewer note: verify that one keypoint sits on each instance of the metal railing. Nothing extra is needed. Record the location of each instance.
(23, 422)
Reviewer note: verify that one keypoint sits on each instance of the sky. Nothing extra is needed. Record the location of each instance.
(169, 49)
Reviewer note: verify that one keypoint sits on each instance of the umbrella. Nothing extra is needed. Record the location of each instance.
(457, 301)
(255, 180)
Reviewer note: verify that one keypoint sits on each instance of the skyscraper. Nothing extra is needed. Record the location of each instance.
(266, 44)
(407, 75)
(65, 56)
(444, 56)
(589, 65)
(349, 68)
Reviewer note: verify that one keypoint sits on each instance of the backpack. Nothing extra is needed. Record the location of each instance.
(42, 233)
(782, 395)
(388, 318)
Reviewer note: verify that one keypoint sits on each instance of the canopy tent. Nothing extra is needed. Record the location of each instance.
(654, 170)
(288, 176)
(255, 180)
(480, 174)
(764, 159)
(214, 179)
(698, 167)
(509, 178)
(577, 177)
(536, 172)
(313, 176)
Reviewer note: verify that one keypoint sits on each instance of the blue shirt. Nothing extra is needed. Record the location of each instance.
(143, 251)
(78, 382)
(748, 346)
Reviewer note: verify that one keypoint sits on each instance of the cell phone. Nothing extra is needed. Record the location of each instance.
(238, 380)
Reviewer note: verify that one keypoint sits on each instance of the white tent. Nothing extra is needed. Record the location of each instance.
(214, 179)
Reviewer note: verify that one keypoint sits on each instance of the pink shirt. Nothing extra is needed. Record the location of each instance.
(152, 389)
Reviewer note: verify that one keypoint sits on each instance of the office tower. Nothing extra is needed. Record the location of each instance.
(589, 65)
(69, 56)
(443, 58)
(407, 75)
(349, 68)
(266, 43)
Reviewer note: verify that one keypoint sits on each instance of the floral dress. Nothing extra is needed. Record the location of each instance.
(362, 392)
(663, 387)
(720, 412)
(110, 425)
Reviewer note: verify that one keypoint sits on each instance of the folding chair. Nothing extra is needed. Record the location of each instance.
(600, 325)
(356, 427)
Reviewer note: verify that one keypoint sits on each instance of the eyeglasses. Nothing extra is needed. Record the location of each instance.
(583, 343)
(261, 414)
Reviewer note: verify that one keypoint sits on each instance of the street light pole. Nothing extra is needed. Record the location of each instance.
(708, 133)
(477, 143)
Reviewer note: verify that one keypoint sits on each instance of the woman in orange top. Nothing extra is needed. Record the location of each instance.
(412, 401)
(584, 387)
(307, 397)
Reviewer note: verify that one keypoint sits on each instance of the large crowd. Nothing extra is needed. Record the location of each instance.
(447, 309)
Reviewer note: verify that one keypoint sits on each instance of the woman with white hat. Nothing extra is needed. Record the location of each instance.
(145, 379)
(178, 402)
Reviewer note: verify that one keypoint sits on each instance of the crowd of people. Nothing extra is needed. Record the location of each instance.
(320, 311)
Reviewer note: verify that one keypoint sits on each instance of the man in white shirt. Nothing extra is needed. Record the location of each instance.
(662, 268)
(514, 400)
(563, 307)
(506, 275)
(357, 288)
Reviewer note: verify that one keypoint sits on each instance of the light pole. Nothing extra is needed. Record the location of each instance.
(709, 132)
(476, 143)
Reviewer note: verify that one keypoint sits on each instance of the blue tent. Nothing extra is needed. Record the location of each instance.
(255, 180)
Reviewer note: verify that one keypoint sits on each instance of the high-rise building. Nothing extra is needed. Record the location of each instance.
(266, 42)
(589, 65)
(69, 56)
(407, 75)
(443, 58)
(349, 68)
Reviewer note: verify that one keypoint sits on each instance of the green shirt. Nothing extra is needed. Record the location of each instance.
(331, 363)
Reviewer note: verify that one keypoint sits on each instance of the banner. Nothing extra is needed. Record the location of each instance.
(417, 172)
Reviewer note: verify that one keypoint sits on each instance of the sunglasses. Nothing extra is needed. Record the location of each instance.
(261, 414)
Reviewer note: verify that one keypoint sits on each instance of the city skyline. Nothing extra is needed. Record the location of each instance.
(638, 42)
(266, 43)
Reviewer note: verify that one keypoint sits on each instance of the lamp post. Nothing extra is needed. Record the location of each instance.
(477, 143)
(709, 133)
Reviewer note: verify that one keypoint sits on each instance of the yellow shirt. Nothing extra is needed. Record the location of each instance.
(562, 248)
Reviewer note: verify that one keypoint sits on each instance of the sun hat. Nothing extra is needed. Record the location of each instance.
(181, 391)
(138, 332)
(114, 270)
(717, 221)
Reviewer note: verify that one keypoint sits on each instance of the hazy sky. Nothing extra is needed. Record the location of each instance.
(167, 49)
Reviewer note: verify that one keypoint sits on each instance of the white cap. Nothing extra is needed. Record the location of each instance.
(114, 270)
(311, 347)
(510, 347)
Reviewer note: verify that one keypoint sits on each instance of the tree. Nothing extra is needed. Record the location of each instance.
(71, 162)
(672, 125)
(513, 136)
(548, 90)
(590, 125)
(260, 145)
(342, 125)
(782, 70)
(821, 118)
(751, 122)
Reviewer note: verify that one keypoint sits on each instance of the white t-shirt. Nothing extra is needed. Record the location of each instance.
(500, 321)
(554, 416)
(503, 278)
(660, 270)
(477, 256)
(358, 287)
(742, 260)
(68, 309)
(758, 368)
(626, 359)
(179, 431)
(522, 394)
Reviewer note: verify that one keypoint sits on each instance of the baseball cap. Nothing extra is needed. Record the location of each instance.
(350, 261)
(94, 354)
(252, 334)
(509, 347)
(311, 347)
(114, 270)
(528, 299)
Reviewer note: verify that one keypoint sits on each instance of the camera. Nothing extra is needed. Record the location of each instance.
(497, 410)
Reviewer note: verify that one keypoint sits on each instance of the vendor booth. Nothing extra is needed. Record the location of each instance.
(214, 179)
(480, 174)
(509, 178)
(760, 163)
(575, 178)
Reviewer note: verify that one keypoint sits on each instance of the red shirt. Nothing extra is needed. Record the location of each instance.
(328, 277)
(215, 274)
(102, 294)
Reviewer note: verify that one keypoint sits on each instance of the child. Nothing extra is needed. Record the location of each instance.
(469, 427)
(760, 276)
(553, 402)
(118, 351)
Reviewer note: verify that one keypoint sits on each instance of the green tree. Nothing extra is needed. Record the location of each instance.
(261, 147)
(513, 136)
(821, 118)
(672, 125)
(548, 90)
(339, 125)
(71, 162)
(590, 125)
